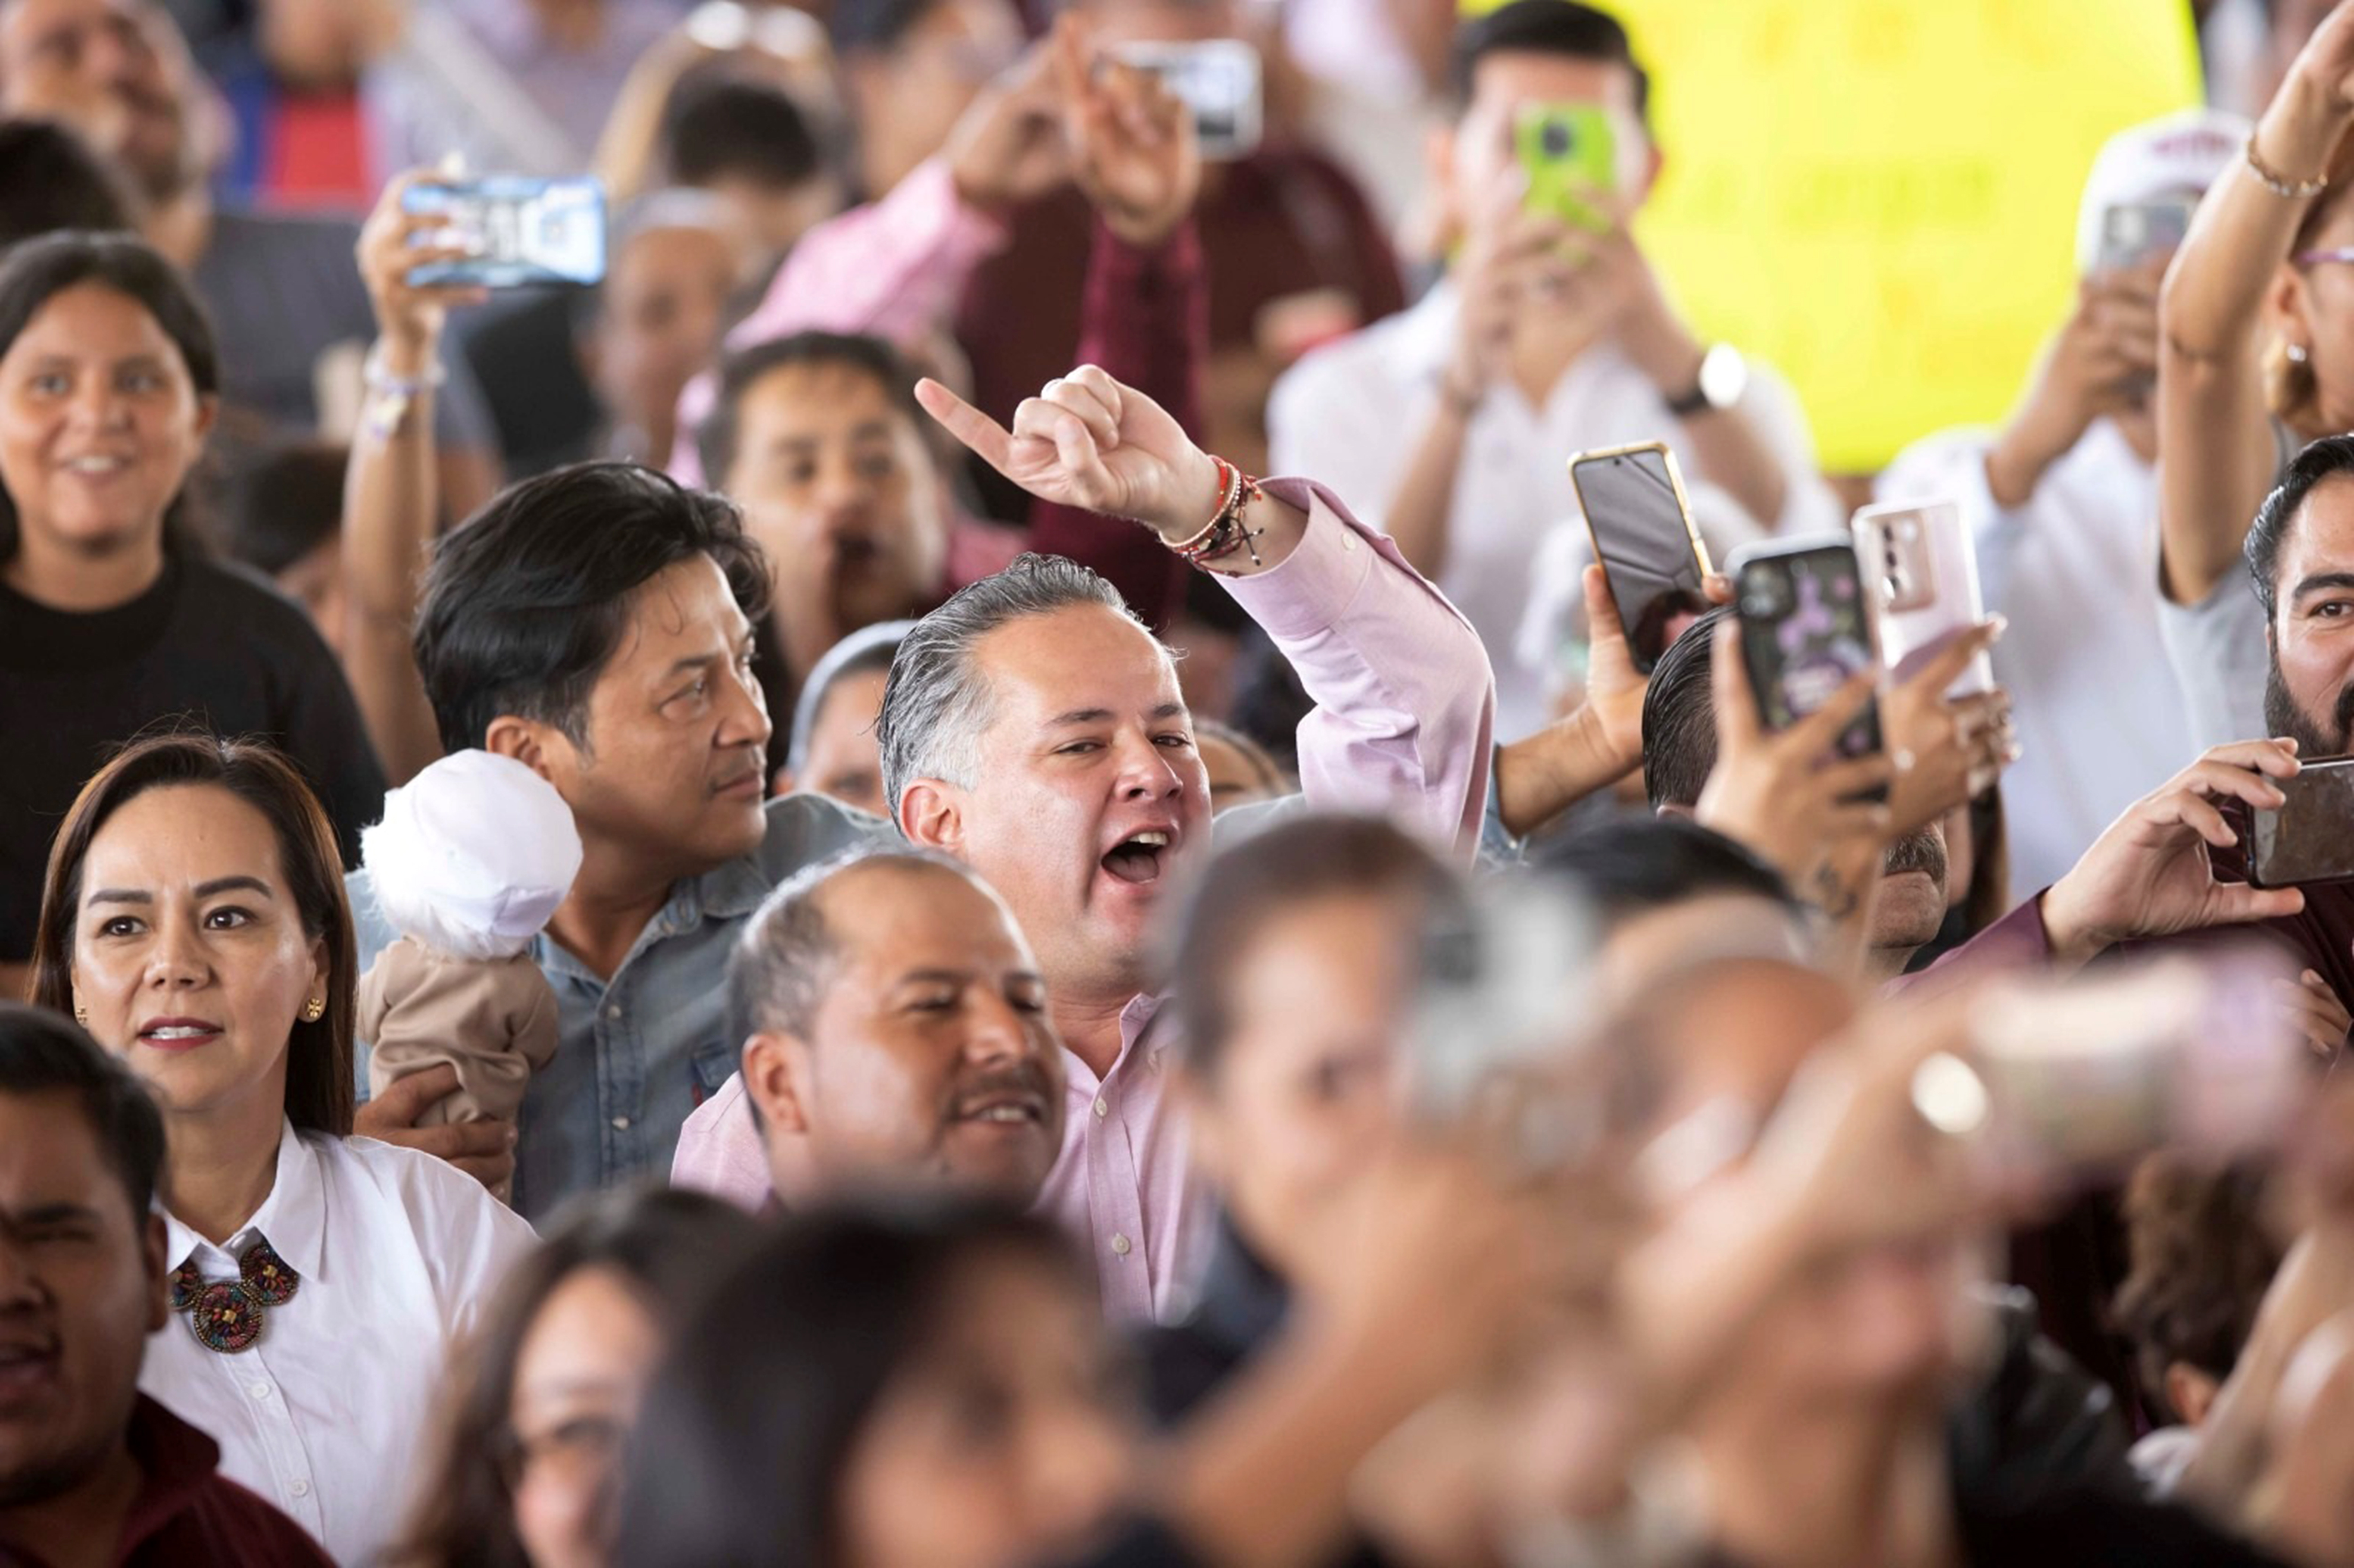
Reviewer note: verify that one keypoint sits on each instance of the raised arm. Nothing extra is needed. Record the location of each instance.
(1405, 698)
(897, 267)
(2217, 454)
(390, 494)
(1145, 316)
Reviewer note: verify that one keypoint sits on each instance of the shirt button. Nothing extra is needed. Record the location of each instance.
(1102, 1107)
(613, 1012)
(620, 1124)
(301, 1488)
(258, 1389)
(1349, 541)
(1121, 1244)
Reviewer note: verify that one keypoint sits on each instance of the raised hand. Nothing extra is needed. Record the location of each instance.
(2148, 875)
(1132, 146)
(1088, 441)
(1008, 148)
(411, 318)
(2102, 361)
(1786, 794)
(1613, 687)
(1956, 747)
(2327, 59)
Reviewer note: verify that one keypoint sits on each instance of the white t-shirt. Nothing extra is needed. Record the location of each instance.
(326, 1414)
(1351, 413)
(2217, 653)
(2100, 718)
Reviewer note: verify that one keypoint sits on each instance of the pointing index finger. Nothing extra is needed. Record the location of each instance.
(967, 424)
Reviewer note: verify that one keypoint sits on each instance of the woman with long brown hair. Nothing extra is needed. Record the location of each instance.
(194, 922)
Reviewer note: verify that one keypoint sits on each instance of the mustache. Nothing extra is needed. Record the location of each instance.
(1028, 1079)
(1923, 852)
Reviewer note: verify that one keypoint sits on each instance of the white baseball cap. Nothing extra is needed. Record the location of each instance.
(2179, 155)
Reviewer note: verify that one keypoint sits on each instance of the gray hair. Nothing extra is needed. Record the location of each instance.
(936, 702)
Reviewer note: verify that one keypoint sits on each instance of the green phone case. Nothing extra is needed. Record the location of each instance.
(1571, 154)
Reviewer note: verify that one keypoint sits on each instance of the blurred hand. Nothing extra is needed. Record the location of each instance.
(2102, 361)
(409, 318)
(483, 1149)
(1132, 146)
(2320, 1020)
(2148, 875)
(1955, 748)
(1009, 147)
(1088, 441)
(1787, 795)
(1511, 258)
(2326, 62)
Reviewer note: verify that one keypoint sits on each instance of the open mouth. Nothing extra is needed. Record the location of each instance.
(97, 465)
(1017, 1110)
(1136, 859)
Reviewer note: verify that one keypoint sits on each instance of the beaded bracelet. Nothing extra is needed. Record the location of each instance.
(2278, 184)
(1225, 534)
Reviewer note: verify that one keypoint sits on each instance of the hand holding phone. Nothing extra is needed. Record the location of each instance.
(1924, 575)
(1644, 536)
(516, 231)
(1805, 633)
(2137, 231)
(1218, 79)
(2309, 838)
(1569, 153)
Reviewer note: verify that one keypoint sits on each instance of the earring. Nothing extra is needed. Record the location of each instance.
(81, 1015)
(314, 1010)
(2297, 354)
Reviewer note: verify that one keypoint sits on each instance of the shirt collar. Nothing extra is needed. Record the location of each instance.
(293, 1219)
(726, 892)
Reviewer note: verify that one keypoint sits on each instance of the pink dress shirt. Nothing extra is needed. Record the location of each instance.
(1402, 727)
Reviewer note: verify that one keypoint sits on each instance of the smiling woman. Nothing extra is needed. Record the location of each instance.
(109, 619)
(194, 922)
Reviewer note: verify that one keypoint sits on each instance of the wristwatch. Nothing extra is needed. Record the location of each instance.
(1724, 377)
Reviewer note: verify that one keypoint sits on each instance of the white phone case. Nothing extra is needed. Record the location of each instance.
(1923, 580)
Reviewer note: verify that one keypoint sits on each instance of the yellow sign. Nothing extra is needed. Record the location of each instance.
(1879, 197)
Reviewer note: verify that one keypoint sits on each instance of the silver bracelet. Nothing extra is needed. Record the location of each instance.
(2280, 184)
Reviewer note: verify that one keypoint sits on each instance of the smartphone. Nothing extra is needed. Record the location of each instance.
(2188, 1053)
(1643, 534)
(1570, 153)
(2134, 231)
(2310, 838)
(1805, 632)
(525, 230)
(1218, 81)
(1924, 575)
(1493, 1036)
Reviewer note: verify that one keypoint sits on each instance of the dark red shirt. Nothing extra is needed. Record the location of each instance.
(187, 1515)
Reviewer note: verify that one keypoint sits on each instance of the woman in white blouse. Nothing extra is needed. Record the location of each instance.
(194, 920)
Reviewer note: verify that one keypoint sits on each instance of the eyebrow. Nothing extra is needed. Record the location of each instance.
(2320, 580)
(50, 1213)
(1098, 715)
(204, 890)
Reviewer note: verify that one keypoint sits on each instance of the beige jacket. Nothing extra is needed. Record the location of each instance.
(493, 1020)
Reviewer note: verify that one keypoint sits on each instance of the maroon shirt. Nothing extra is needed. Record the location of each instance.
(186, 1515)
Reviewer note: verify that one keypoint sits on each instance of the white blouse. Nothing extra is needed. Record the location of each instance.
(327, 1413)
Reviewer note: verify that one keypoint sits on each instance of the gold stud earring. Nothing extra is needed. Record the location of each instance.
(314, 1010)
(81, 1015)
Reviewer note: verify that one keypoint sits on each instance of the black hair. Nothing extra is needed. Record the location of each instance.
(35, 271)
(50, 180)
(1680, 716)
(1545, 27)
(874, 27)
(525, 604)
(1630, 867)
(869, 355)
(2326, 458)
(741, 1445)
(671, 1246)
(284, 502)
(1250, 884)
(714, 126)
(42, 1052)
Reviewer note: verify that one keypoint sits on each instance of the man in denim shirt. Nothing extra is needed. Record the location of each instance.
(596, 624)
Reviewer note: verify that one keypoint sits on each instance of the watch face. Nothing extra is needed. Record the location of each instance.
(1723, 376)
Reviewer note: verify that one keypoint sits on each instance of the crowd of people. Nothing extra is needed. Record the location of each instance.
(970, 869)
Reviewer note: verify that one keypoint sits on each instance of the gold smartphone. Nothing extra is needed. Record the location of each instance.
(1643, 534)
